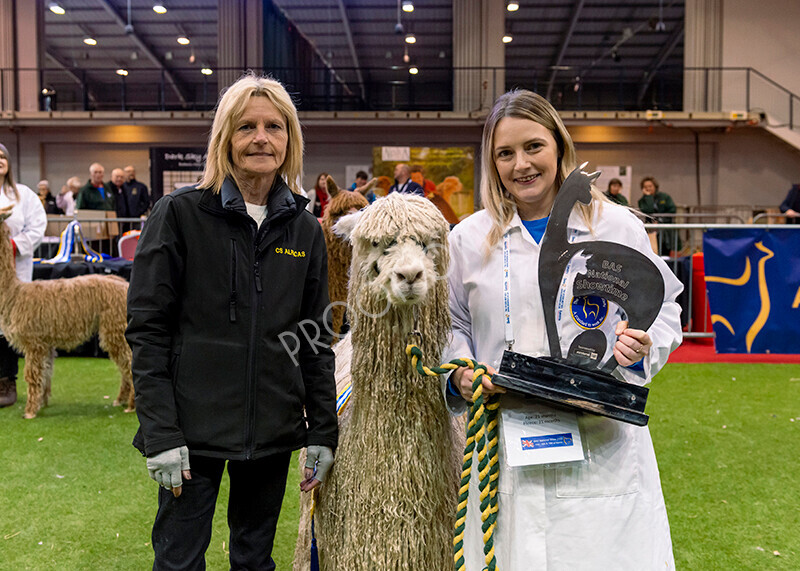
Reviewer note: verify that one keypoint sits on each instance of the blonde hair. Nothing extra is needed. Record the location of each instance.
(229, 110)
(522, 104)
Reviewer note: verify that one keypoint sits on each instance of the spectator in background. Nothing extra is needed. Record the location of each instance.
(614, 192)
(365, 186)
(653, 201)
(361, 179)
(26, 226)
(403, 183)
(418, 176)
(48, 200)
(116, 188)
(136, 193)
(318, 196)
(791, 205)
(93, 195)
(66, 198)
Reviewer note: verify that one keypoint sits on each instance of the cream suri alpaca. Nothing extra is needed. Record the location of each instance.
(41, 316)
(389, 502)
(343, 353)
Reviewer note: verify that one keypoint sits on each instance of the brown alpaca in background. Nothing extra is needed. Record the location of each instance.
(441, 197)
(340, 252)
(42, 316)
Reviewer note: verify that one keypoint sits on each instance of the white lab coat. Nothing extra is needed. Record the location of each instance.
(605, 514)
(26, 226)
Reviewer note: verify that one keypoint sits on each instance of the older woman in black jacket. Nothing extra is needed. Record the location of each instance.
(227, 321)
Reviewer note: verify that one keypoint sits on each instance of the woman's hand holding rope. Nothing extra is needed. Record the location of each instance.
(462, 379)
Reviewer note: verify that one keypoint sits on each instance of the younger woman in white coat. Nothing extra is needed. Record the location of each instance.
(604, 513)
(26, 225)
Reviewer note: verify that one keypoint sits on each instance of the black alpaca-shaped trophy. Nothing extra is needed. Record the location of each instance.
(606, 272)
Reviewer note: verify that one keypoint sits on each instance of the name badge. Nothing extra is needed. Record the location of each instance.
(538, 434)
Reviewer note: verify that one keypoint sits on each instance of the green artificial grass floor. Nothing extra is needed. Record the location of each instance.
(74, 494)
(726, 438)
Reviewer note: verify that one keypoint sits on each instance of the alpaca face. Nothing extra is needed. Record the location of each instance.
(402, 269)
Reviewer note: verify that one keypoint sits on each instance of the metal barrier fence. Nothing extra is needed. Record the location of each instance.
(102, 234)
(681, 241)
(320, 88)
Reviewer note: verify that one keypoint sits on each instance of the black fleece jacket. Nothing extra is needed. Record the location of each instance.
(215, 311)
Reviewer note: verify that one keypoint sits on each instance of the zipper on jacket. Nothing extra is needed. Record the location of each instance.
(233, 281)
(252, 381)
(257, 274)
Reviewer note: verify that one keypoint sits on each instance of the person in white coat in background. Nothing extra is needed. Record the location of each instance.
(608, 511)
(26, 226)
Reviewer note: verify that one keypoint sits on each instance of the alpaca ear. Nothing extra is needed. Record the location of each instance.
(346, 224)
(333, 188)
(5, 212)
(367, 187)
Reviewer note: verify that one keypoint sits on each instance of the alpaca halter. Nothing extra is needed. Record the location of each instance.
(481, 430)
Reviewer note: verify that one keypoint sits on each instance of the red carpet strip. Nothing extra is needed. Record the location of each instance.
(695, 351)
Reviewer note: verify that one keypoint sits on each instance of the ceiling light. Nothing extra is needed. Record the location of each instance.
(89, 41)
(411, 39)
(56, 8)
(183, 40)
(413, 70)
(122, 72)
(512, 6)
(206, 71)
(159, 8)
(508, 38)
(408, 6)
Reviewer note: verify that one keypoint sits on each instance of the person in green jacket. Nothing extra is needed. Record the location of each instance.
(95, 194)
(614, 192)
(653, 201)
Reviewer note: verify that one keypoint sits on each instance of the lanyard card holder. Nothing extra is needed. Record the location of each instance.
(535, 433)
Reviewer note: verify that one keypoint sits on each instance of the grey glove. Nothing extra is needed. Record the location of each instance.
(321, 458)
(165, 467)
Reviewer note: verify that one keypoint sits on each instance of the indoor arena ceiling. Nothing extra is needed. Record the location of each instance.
(555, 43)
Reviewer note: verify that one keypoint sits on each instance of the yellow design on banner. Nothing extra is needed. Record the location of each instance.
(719, 319)
(796, 301)
(763, 292)
(741, 280)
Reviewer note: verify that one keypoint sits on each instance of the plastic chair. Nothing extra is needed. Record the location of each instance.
(127, 245)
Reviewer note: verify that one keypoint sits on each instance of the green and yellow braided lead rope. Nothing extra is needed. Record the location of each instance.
(481, 432)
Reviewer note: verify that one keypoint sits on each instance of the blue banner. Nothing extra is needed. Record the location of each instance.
(753, 284)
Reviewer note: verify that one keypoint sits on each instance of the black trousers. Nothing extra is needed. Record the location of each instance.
(9, 360)
(182, 530)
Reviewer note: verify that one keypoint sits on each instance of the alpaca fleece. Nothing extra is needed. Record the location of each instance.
(41, 316)
(340, 253)
(390, 500)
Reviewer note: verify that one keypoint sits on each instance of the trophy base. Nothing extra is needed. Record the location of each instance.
(557, 381)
